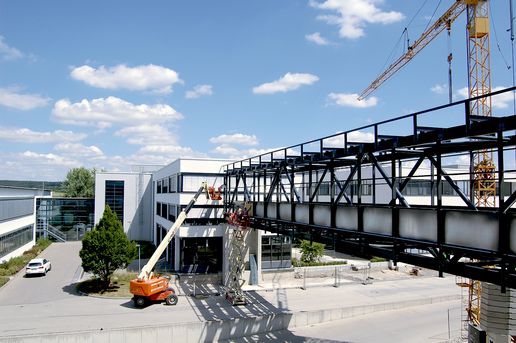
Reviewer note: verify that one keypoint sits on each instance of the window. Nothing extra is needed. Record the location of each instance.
(16, 239)
(418, 188)
(164, 210)
(158, 209)
(201, 255)
(276, 252)
(165, 186)
(172, 212)
(191, 183)
(115, 197)
(158, 190)
(324, 189)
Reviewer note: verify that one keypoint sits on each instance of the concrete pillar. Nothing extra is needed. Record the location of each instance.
(498, 313)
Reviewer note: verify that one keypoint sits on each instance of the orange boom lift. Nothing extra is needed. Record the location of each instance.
(148, 287)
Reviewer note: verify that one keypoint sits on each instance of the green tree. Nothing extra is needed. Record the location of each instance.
(311, 252)
(80, 182)
(106, 248)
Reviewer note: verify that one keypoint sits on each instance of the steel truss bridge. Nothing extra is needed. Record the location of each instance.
(387, 190)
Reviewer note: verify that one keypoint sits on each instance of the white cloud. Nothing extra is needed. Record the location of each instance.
(9, 97)
(171, 150)
(30, 165)
(317, 39)
(352, 15)
(439, 89)
(9, 53)
(500, 101)
(79, 150)
(354, 136)
(103, 113)
(147, 134)
(140, 78)
(237, 138)
(289, 82)
(198, 91)
(48, 159)
(351, 100)
(360, 136)
(25, 135)
(233, 153)
(228, 150)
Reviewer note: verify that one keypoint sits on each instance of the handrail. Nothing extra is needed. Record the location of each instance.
(56, 233)
(374, 126)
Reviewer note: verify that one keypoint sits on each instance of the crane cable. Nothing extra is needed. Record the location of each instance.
(404, 36)
(512, 49)
(498, 42)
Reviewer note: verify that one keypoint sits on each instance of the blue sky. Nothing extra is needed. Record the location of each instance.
(110, 84)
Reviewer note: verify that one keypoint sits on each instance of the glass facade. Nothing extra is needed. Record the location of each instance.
(276, 252)
(115, 197)
(70, 217)
(201, 255)
(11, 241)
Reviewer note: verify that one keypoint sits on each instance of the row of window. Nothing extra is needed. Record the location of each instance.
(168, 185)
(167, 211)
(413, 188)
(324, 188)
(16, 239)
(186, 183)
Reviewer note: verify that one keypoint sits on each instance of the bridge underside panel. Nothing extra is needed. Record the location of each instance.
(420, 224)
(302, 215)
(378, 220)
(473, 230)
(347, 218)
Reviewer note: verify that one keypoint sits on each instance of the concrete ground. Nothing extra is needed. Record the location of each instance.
(50, 306)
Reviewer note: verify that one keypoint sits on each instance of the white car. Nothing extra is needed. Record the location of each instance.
(38, 266)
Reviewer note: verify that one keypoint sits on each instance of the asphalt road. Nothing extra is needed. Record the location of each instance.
(66, 268)
(422, 324)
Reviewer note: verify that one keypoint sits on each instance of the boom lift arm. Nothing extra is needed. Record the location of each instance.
(146, 272)
(149, 287)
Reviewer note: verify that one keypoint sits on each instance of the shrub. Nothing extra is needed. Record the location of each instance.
(377, 259)
(3, 280)
(299, 263)
(311, 252)
(106, 248)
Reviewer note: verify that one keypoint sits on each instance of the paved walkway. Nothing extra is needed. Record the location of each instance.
(56, 308)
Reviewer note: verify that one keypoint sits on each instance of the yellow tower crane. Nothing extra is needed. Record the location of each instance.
(479, 83)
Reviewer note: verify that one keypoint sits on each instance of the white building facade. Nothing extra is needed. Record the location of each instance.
(130, 196)
(199, 243)
(17, 220)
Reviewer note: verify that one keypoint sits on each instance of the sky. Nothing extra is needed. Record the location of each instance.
(114, 84)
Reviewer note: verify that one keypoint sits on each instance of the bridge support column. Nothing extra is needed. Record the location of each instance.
(498, 313)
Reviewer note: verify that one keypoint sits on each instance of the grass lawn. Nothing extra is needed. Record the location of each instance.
(119, 287)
